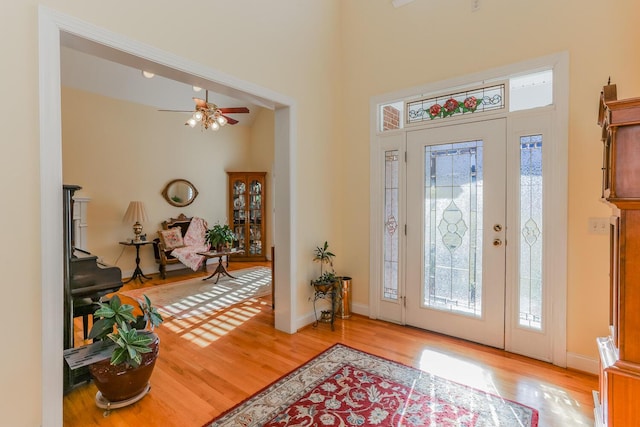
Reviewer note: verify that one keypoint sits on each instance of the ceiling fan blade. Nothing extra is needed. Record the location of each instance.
(230, 120)
(200, 103)
(234, 110)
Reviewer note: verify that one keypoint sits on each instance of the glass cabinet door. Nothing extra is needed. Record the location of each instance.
(255, 217)
(247, 211)
(239, 190)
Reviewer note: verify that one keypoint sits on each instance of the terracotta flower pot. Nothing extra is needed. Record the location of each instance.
(121, 382)
(323, 287)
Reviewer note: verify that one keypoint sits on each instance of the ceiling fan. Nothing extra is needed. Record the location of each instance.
(210, 115)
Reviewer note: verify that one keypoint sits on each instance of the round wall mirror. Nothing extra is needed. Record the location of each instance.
(179, 192)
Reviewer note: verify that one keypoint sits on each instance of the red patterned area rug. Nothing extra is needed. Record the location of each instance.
(347, 387)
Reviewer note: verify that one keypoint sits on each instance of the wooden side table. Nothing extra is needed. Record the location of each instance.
(220, 270)
(137, 273)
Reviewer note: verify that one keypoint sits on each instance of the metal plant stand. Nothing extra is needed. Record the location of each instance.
(326, 316)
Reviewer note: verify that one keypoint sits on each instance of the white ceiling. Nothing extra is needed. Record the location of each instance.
(97, 75)
(399, 3)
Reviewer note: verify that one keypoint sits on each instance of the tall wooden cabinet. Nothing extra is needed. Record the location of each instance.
(619, 390)
(247, 214)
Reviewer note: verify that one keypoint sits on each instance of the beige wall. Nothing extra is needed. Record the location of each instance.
(130, 152)
(387, 49)
(287, 46)
(331, 57)
(261, 156)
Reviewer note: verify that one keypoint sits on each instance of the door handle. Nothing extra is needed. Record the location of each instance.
(497, 242)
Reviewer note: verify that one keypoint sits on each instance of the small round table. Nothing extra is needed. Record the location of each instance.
(220, 270)
(137, 273)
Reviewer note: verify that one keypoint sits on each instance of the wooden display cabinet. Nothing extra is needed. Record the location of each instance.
(247, 214)
(619, 389)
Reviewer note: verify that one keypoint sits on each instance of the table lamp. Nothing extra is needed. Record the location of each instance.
(136, 214)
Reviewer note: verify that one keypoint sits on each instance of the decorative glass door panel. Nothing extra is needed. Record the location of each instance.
(391, 232)
(247, 213)
(530, 286)
(453, 227)
(390, 297)
(456, 198)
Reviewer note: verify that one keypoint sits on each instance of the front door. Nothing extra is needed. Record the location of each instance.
(456, 198)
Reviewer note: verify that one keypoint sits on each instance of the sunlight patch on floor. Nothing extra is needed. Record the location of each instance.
(528, 391)
(203, 330)
(461, 371)
(564, 408)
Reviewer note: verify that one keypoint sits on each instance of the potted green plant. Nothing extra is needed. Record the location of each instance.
(327, 279)
(220, 236)
(125, 375)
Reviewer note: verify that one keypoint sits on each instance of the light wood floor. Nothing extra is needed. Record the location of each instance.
(209, 365)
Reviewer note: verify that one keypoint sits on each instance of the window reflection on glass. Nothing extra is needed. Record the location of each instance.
(391, 238)
(530, 289)
(453, 227)
(391, 116)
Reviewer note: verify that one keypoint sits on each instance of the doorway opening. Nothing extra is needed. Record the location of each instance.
(56, 28)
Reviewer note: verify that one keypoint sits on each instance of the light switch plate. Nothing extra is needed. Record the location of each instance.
(598, 225)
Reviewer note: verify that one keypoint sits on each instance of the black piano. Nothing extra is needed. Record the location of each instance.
(86, 280)
(91, 278)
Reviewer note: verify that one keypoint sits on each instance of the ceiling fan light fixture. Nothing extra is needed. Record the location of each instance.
(209, 115)
(148, 74)
(197, 88)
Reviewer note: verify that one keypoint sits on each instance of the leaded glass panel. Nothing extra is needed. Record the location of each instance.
(453, 196)
(391, 235)
(530, 289)
(468, 102)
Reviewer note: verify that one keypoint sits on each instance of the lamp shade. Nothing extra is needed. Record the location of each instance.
(135, 213)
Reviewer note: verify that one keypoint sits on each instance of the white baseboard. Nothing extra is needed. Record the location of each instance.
(362, 309)
(305, 320)
(309, 317)
(575, 361)
(583, 363)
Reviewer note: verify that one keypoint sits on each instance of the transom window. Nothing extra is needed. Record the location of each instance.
(528, 91)
(468, 102)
